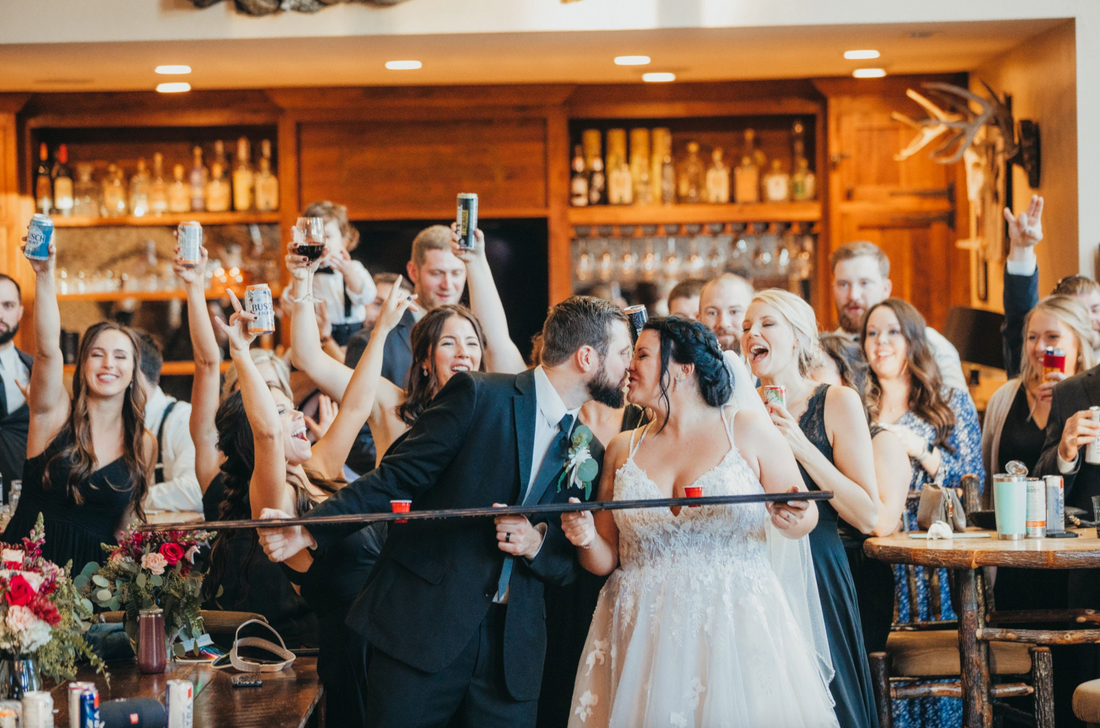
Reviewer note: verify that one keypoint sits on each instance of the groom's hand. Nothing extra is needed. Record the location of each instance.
(516, 535)
(282, 543)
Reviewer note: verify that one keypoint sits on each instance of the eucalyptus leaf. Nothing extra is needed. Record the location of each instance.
(103, 595)
(100, 581)
(141, 579)
(587, 470)
(156, 580)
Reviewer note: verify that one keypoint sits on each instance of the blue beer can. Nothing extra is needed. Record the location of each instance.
(89, 709)
(39, 236)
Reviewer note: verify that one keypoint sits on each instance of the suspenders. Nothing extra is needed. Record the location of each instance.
(158, 472)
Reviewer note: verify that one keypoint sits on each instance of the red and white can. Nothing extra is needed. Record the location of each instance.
(775, 394)
(179, 703)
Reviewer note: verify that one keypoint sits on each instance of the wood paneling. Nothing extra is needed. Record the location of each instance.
(383, 169)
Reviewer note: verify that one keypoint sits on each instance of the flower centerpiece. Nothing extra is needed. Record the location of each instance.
(149, 570)
(43, 618)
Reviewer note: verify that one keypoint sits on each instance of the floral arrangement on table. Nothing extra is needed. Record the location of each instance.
(42, 615)
(154, 569)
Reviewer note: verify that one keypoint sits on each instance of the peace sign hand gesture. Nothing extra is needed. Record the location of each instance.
(237, 328)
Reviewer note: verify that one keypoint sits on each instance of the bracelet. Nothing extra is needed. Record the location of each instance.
(925, 455)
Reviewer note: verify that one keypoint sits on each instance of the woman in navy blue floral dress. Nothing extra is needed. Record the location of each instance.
(938, 426)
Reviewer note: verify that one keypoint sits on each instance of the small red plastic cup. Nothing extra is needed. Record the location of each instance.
(401, 506)
(693, 491)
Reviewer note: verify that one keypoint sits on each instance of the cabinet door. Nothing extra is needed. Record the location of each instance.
(907, 208)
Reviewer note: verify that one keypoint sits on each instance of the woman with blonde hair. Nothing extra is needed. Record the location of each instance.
(827, 430)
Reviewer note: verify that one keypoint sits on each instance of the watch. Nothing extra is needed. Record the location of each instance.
(927, 453)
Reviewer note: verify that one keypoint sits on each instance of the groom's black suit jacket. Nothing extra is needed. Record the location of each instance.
(434, 581)
(1070, 396)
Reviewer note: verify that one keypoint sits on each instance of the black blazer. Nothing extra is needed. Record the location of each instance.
(1021, 294)
(434, 582)
(13, 433)
(1077, 393)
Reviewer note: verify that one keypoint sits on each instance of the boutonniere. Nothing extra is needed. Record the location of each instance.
(580, 467)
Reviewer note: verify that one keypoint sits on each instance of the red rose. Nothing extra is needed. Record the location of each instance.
(172, 552)
(19, 591)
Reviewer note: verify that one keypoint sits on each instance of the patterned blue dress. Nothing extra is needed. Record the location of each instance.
(965, 441)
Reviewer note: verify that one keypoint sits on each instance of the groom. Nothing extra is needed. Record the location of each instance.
(454, 609)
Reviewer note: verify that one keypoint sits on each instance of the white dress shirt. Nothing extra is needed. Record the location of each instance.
(14, 372)
(331, 287)
(548, 415)
(180, 490)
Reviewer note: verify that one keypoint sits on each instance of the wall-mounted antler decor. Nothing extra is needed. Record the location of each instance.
(267, 7)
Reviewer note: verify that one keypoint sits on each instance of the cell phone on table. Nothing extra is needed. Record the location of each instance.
(246, 680)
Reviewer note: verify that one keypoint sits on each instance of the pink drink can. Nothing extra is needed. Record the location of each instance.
(775, 394)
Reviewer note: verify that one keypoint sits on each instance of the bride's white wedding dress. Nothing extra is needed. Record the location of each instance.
(694, 628)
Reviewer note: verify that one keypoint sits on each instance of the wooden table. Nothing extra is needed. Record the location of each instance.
(173, 516)
(287, 699)
(965, 557)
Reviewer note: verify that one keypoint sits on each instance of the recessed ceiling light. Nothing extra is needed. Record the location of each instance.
(632, 60)
(173, 70)
(861, 55)
(173, 88)
(869, 72)
(403, 65)
(658, 77)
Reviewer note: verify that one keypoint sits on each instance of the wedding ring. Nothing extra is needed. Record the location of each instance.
(507, 538)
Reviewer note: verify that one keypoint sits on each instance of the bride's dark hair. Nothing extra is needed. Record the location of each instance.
(689, 342)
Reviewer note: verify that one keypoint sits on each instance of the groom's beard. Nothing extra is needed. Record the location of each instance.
(604, 391)
(7, 334)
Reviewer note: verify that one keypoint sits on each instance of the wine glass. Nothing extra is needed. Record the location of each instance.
(309, 240)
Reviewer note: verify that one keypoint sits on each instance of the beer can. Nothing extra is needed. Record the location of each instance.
(39, 236)
(1036, 508)
(1056, 504)
(189, 235)
(37, 709)
(76, 689)
(775, 394)
(11, 713)
(257, 301)
(178, 703)
(467, 220)
(89, 709)
(637, 317)
(1092, 450)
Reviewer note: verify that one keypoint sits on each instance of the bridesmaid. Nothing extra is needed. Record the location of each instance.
(827, 430)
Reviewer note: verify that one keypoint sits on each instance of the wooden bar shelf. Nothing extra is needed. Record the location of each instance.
(694, 214)
(169, 220)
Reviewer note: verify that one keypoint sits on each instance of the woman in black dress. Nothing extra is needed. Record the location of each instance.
(89, 460)
(827, 430)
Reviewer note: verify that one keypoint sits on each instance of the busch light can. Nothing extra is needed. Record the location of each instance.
(257, 301)
(89, 709)
(178, 703)
(1056, 504)
(189, 235)
(467, 220)
(1036, 508)
(775, 394)
(637, 316)
(37, 709)
(1092, 450)
(39, 237)
(76, 689)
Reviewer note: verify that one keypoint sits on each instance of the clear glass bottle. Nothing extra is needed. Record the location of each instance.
(43, 182)
(63, 182)
(139, 190)
(198, 179)
(758, 157)
(267, 184)
(578, 180)
(86, 193)
(746, 181)
(114, 193)
(180, 195)
(158, 187)
(668, 180)
(620, 187)
(803, 181)
(639, 165)
(718, 179)
(777, 183)
(218, 192)
(692, 183)
(597, 182)
(243, 177)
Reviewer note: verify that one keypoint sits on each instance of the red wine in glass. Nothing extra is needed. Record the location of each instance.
(312, 251)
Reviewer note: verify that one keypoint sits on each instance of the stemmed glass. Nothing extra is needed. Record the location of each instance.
(309, 240)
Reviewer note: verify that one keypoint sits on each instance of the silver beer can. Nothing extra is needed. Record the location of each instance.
(1092, 450)
(1036, 508)
(257, 301)
(637, 317)
(467, 220)
(1056, 504)
(37, 709)
(189, 235)
(179, 703)
(39, 237)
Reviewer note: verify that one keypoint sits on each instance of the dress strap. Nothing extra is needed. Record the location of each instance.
(729, 424)
(633, 447)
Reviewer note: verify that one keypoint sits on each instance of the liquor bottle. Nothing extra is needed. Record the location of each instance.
(243, 177)
(661, 145)
(198, 180)
(578, 180)
(597, 182)
(803, 181)
(180, 195)
(43, 185)
(718, 179)
(692, 182)
(158, 188)
(777, 183)
(798, 142)
(86, 193)
(267, 184)
(639, 165)
(139, 190)
(620, 187)
(758, 157)
(219, 156)
(63, 182)
(746, 181)
(668, 180)
(114, 193)
(218, 193)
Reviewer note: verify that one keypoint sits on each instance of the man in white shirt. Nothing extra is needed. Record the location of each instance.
(15, 371)
(174, 486)
(722, 305)
(861, 278)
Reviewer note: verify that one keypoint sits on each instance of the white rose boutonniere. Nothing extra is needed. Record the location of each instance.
(580, 467)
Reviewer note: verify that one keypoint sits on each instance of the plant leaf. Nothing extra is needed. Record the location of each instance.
(100, 581)
(141, 579)
(103, 595)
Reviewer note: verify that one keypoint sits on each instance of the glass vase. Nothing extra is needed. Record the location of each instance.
(18, 675)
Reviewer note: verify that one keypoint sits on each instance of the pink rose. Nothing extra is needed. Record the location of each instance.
(155, 563)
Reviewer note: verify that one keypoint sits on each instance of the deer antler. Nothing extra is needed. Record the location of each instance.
(960, 118)
(929, 128)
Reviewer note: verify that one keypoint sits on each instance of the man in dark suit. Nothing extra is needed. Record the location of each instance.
(15, 373)
(454, 609)
(1069, 430)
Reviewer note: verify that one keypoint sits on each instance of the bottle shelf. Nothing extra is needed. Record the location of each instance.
(211, 293)
(170, 368)
(694, 214)
(171, 219)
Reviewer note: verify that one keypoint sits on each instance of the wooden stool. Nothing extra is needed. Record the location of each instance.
(1086, 703)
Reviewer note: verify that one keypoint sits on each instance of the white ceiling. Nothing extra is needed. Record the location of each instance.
(694, 54)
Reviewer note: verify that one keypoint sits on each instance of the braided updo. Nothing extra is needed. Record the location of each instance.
(689, 342)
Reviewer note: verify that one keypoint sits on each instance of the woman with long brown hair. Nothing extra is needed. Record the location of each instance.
(89, 459)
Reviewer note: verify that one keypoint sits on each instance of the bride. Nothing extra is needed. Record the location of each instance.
(696, 627)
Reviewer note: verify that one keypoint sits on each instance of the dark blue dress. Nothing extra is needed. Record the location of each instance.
(851, 685)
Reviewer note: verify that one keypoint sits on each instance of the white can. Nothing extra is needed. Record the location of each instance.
(11, 713)
(76, 689)
(1092, 450)
(1056, 504)
(257, 301)
(37, 709)
(179, 702)
(1036, 508)
(189, 235)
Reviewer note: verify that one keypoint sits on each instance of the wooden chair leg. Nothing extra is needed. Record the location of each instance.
(1042, 677)
(880, 681)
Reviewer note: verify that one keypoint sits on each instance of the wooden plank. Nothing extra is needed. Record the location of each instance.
(688, 214)
(285, 700)
(370, 99)
(559, 246)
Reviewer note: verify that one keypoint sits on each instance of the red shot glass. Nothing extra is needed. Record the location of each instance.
(693, 491)
(401, 506)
